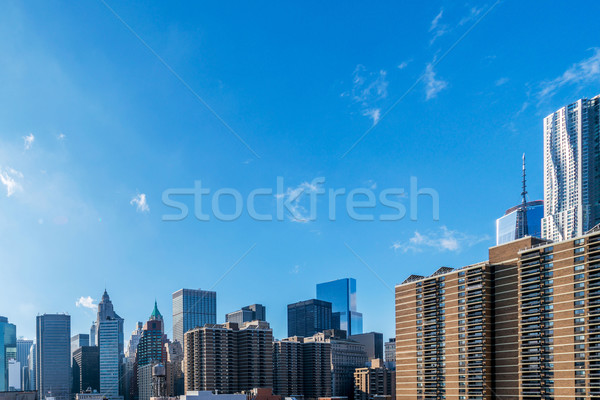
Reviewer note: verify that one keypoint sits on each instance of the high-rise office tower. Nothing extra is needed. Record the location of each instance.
(373, 342)
(33, 367)
(150, 351)
(109, 336)
(93, 330)
(14, 375)
(390, 353)
(192, 308)
(524, 219)
(306, 318)
(86, 369)
(77, 341)
(53, 356)
(255, 312)
(341, 293)
(571, 162)
(228, 357)
(8, 350)
(130, 377)
(301, 368)
(23, 350)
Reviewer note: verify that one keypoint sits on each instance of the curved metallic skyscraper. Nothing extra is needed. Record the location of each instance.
(571, 176)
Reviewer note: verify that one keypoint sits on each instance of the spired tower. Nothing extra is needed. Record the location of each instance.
(110, 339)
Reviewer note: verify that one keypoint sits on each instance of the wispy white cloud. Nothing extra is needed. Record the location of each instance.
(29, 139)
(404, 64)
(432, 85)
(295, 270)
(437, 28)
(442, 240)
(368, 89)
(579, 74)
(9, 178)
(61, 136)
(86, 302)
(293, 196)
(139, 201)
(474, 12)
(373, 113)
(501, 81)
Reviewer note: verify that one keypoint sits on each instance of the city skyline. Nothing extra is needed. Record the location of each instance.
(94, 129)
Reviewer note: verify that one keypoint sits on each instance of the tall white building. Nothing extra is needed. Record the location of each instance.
(571, 163)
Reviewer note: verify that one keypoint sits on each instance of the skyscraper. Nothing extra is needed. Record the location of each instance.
(341, 293)
(306, 318)
(33, 367)
(79, 340)
(93, 330)
(130, 378)
(150, 351)
(53, 338)
(522, 220)
(571, 161)
(8, 350)
(373, 342)
(255, 312)
(86, 369)
(192, 308)
(109, 332)
(23, 350)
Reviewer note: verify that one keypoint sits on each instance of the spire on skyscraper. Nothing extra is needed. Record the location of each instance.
(155, 313)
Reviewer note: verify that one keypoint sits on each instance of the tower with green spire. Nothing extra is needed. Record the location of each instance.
(156, 315)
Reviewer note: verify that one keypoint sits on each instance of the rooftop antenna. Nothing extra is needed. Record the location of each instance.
(524, 202)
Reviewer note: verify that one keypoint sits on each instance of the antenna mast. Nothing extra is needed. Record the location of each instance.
(524, 228)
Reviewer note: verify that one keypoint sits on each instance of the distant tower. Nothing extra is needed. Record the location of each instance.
(110, 340)
(53, 339)
(523, 219)
(523, 225)
(192, 308)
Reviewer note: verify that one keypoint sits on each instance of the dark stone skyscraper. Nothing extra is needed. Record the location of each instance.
(306, 318)
(86, 369)
(53, 375)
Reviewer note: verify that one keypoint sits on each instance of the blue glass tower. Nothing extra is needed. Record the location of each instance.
(341, 294)
(8, 350)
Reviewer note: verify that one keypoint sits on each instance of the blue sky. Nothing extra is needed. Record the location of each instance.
(94, 127)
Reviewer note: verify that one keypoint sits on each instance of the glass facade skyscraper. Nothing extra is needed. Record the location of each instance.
(53, 337)
(509, 227)
(23, 350)
(192, 308)
(341, 294)
(8, 350)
